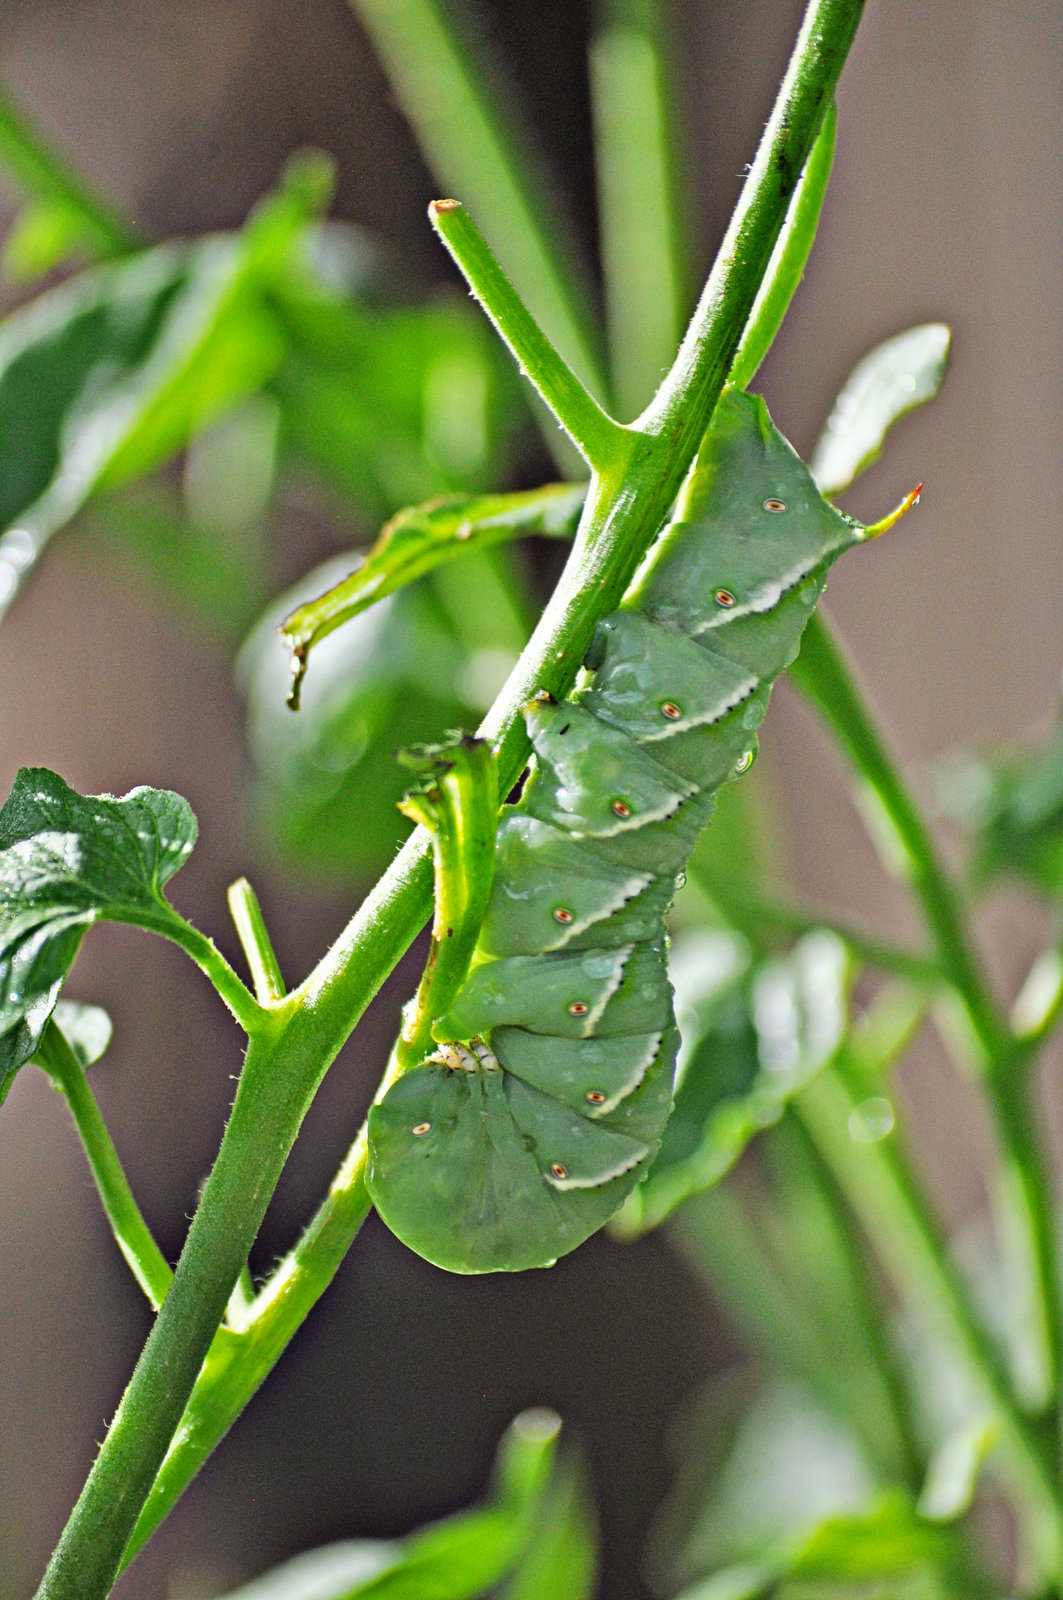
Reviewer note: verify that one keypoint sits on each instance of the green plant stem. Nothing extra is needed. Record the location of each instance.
(789, 257)
(43, 173)
(801, 105)
(210, 961)
(644, 265)
(878, 1184)
(597, 437)
(146, 1260)
(250, 925)
(241, 1357)
(291, 1048)
(869, 1310)
(823, 674)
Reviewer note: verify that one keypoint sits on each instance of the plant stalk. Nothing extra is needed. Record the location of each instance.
(146, 1261)
(824, 675)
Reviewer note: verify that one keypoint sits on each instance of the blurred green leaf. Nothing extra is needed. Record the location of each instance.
(110, 374)
(1011, 804)
(329, 781)
(421, 538)
(43, 235)
(45, 176)
(780, 1470)
(391, 405)
(952, 1476)
(66, 861)
(891, 380)
(752, 1036)
(460, 1558)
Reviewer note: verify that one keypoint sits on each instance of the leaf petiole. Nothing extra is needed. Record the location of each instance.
(60, 1061)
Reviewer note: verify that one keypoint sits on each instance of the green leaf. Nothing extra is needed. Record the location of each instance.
(66, 861)
(110, 374)
(459, 1558)
(752, 1036)
(391, 405)
(419, 539)
(891, 380)
(394, 676)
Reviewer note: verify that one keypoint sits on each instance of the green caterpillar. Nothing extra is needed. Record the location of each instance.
(546, 1101)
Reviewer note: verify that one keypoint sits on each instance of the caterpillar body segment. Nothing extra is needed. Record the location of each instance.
(516, 1156)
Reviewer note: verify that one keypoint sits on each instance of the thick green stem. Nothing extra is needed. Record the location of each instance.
(824, 675)
(293, 1046)
(146, 1260)
(241, 1357)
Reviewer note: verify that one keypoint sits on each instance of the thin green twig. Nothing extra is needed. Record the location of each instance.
(824, 675)
(251, 927)
(597, 437)
(146, 1261)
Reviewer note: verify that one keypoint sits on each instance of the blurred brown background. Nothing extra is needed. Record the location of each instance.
(946, 203)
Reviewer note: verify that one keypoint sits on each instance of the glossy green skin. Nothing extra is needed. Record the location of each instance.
(515, 1165)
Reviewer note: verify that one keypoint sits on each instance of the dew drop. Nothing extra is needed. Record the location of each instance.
(871, 1121)
(744, 762)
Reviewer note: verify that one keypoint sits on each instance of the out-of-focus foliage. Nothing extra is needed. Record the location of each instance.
(753, 1033)
(534, 1540)
(904, 372)
(1011, 805)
